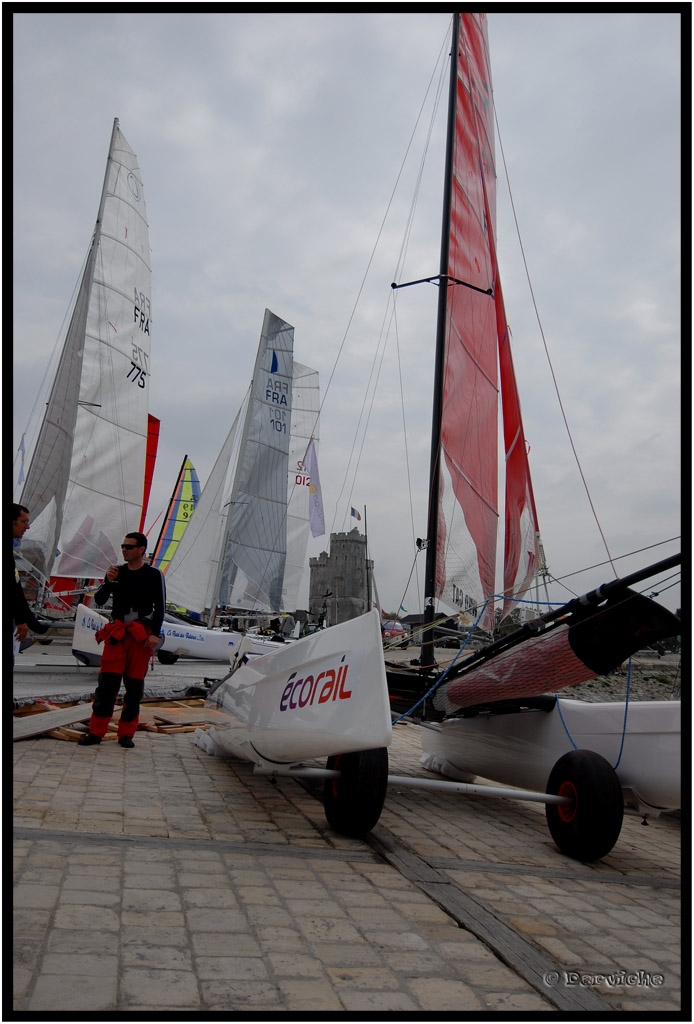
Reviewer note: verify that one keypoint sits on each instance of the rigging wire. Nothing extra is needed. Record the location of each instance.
(369, 264)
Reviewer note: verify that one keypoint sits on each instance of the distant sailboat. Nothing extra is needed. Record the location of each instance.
(246, 544)
(84, 485)
(184, 498)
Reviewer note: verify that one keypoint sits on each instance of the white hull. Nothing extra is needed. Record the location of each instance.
(322, 695)
(180, 639)
(520, 749)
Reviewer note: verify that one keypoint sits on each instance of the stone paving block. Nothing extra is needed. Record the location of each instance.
(420, 964)
(232, 944)
(221, 899)
(263, 895)
(346, 953)
(327, 929)
(78, 897)
(358, 1001)
(164, 957)
(318, 997)
(39, 897)
(81, 918)
(151, 900)
(207, 919)
(295, 965)
(63, 940)
(80, 994)
(160, 987)
(153, 935)
(82, 963)
(258, 915)
(233, 968)
(21, 980)
(403, 940)
(444, 995)
(516, 1002)
(236, 996)
(280, 938)
(162, 879)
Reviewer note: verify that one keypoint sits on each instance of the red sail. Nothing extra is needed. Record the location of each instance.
(522, 532)
(150, 460)
(476, 335)
(470, 394)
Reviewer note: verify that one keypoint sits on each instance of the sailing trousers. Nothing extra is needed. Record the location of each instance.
(127, 659)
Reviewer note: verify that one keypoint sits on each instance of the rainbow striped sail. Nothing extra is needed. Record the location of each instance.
(181, 507)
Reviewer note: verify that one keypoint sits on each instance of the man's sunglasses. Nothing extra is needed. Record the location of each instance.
(130, 547)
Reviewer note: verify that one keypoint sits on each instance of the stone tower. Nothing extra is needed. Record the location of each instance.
(340, 581)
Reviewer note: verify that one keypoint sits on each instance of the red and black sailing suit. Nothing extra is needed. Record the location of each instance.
(139, 597)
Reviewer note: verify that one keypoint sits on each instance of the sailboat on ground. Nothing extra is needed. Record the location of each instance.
(87, 482)
(283, 708)
(491, 693)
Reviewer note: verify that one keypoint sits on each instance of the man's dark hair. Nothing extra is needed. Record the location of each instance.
(140, 538)
(16, 509)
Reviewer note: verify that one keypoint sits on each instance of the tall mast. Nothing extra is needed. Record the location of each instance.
(427, 650)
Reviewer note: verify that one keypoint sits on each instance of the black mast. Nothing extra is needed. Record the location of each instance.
(427, 659)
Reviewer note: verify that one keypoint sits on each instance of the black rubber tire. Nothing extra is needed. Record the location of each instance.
(588, 828)
(166, 658)
(354, 801)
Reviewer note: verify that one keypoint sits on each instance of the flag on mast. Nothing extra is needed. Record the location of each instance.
(355, 514)
(316, 517)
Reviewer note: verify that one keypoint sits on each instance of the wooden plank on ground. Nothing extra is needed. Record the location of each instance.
(186, 716)
(37, 725)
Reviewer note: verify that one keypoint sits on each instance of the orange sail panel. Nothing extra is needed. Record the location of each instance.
(150, 461)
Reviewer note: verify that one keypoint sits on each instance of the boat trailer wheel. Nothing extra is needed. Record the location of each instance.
(354, 801)
(588, 827)
(166, 658)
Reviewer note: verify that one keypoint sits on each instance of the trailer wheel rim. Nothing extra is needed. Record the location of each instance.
(567, 812)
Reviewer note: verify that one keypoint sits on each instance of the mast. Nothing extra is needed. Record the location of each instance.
(426, 659)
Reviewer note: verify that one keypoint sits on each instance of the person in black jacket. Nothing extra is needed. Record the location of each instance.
(23, 618)
(139, 598)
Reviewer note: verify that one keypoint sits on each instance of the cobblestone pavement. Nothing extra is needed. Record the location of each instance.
(165, 879)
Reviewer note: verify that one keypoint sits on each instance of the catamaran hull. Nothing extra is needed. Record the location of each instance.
(520, 749)
(323, 695)
(180, 640)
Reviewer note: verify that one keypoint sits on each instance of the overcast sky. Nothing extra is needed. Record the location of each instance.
(270, 145)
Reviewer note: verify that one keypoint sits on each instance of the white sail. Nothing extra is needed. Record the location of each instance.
(305, 406)
(247, 539)
(251, 570)
(192, 571)
(84, 487)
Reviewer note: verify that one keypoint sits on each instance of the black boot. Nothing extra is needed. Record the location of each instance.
(126, 741)
(89, 740)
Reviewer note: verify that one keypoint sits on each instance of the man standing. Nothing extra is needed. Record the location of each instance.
(23, 618)
(129, 639)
